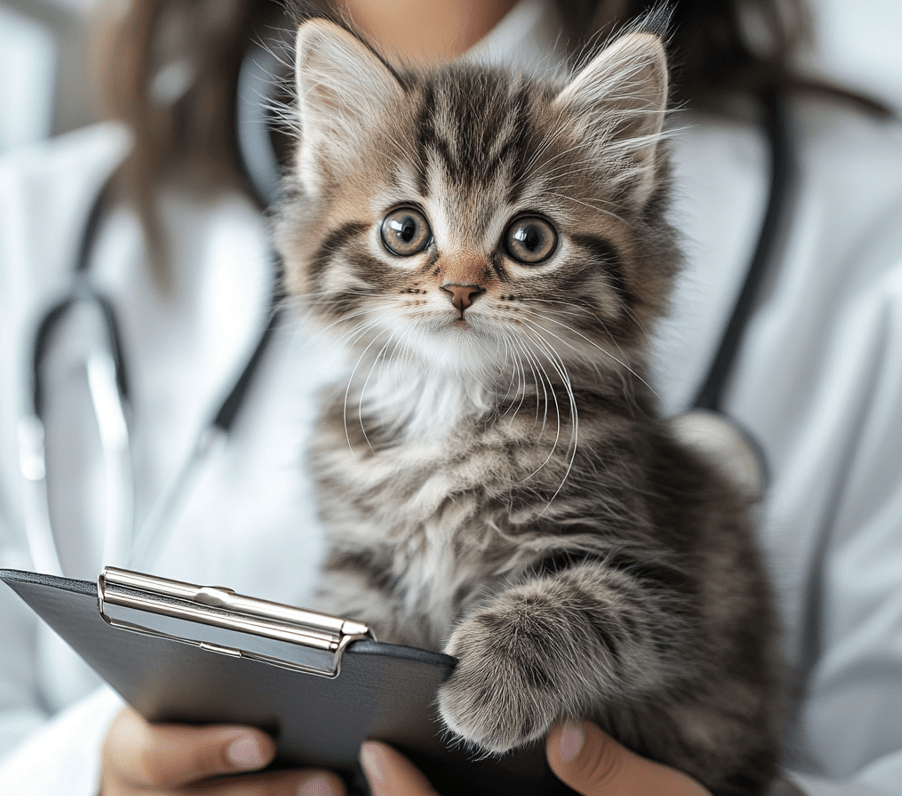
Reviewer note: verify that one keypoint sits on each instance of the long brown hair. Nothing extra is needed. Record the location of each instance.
(169, 68)
(717, 47)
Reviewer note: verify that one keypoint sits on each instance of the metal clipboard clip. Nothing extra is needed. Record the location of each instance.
(219, 620)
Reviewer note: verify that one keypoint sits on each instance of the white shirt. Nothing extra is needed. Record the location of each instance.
(818, 381)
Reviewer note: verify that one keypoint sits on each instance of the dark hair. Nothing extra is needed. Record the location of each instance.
(204, 40)
(719, 48)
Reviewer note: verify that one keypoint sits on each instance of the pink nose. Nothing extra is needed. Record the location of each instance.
(462, 296)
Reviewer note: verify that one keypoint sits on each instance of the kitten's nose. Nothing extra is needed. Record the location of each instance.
(462, 296)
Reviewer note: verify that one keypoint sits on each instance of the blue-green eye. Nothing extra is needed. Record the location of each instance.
(530, 239)
(406, 232)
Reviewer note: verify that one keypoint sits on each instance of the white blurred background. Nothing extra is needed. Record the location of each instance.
(45, 51)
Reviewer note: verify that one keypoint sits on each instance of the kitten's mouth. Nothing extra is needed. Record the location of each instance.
(460, 323)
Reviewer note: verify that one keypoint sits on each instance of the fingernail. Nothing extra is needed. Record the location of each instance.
(245, 752)
(317, 786)
(373, 761)
(572, 739)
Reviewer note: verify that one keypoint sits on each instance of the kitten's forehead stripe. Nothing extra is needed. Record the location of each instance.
(427, 139)
(479, 126)
(423, 132)
(516, 146)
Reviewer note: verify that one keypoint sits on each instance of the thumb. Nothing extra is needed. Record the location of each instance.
(594, 764)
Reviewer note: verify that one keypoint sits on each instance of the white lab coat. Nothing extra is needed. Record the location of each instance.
(818, 382)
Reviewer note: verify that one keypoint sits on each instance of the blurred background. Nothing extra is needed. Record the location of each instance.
(45, 51)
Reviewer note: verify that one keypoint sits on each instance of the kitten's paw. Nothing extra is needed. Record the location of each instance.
(503, 692)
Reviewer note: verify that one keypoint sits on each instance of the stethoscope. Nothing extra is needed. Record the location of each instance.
(107, 372)
(108, 382)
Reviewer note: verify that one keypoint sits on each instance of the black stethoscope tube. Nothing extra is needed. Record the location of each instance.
(775, 124)
(81, 291)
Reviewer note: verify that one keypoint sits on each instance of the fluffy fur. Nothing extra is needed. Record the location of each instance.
(493, 474)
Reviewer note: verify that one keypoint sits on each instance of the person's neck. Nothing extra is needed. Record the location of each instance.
(420, 31)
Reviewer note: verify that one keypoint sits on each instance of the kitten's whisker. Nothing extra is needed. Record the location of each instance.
(352, 335)
(591, 342)
(569, 311)
(540, 168)
(582, 313)
(561, 369)
(522, 352)
(543, 345)
(376, 300)
(347, 395)
(510, 364)
(591, 206)
(520, 371)
(553, 355)
(362, 314)
(366, 382)
(533, 362)
(583, 360)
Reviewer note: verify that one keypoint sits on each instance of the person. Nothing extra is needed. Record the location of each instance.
(183, 255)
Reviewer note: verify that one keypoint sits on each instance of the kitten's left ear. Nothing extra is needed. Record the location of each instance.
(619, 99)
(343, 89)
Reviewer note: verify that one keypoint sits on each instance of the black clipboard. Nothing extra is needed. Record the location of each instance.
(320, 685)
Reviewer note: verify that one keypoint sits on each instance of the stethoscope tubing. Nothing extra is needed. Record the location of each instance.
(110, 391)
(775, 123)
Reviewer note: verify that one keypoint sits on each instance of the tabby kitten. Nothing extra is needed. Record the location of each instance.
(490, 250)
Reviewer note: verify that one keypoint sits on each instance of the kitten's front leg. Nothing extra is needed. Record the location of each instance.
(555, 647)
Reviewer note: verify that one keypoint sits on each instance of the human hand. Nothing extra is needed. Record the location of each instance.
(580, 755)
(171, 759)
(594, 764)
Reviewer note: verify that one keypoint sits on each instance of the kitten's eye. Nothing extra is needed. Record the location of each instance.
(530, 240)
(406, 232)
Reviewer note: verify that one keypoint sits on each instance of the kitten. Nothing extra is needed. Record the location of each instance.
(491, 250)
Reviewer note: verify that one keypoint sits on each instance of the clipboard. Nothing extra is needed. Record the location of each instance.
(320, 685)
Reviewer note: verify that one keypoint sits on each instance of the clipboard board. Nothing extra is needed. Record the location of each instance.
(320, 685)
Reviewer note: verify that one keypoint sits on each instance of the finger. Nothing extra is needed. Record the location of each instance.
(594, 764)
(389, 773)
(170, 756)
(283, 783)
(318, 783)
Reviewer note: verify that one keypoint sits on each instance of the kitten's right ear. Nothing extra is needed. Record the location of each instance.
(343, 89)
